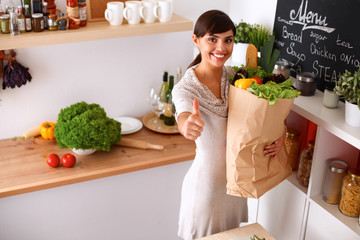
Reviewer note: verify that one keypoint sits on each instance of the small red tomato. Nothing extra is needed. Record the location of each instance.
(53, 160)
(68, 160)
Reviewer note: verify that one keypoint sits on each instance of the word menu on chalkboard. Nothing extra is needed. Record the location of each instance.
(319, 36)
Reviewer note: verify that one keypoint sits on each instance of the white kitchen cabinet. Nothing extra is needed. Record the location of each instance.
(308, 216)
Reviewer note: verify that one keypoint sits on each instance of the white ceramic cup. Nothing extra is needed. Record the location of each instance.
(163, 10)
(147, 11)
(132, 12)
(114, 13)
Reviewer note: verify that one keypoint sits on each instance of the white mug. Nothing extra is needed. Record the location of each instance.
(147, 12)
(114, 13)
(132, 12)
(163, 10)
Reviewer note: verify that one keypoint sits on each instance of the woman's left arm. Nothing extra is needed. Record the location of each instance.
(273, 149)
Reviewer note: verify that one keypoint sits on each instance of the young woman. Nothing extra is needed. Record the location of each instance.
(201, 100)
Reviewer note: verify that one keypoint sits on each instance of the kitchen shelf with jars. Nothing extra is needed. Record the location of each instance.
(93, 31)
(334, 140)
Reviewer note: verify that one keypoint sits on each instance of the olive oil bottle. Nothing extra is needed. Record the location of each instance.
(169, 110)
(163, 90)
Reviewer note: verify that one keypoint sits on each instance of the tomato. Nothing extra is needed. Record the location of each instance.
(53, 160)
(68, 160)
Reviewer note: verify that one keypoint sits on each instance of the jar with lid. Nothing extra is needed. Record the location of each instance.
(335, 172)
(350, 201)
(82, 12)
(5, 23)
(282, 67)
(292, 145)
(52, 22)
(306, 83)
(38, 22)
(62, 22)
(303, 174)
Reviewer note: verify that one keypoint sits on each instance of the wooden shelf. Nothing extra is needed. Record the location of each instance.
(93, 31)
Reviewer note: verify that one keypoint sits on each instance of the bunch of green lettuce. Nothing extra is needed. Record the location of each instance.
(86, 126)
(273, 91)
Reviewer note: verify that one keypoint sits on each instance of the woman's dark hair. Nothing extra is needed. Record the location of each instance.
(213, 21)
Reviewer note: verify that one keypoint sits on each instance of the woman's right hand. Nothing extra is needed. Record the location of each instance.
(191, 124)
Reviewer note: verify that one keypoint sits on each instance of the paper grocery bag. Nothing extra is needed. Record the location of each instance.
(252, 125)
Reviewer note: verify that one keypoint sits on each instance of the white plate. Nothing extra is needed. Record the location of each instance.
(129, 124)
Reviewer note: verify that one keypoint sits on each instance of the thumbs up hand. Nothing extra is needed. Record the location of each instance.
(191, 124)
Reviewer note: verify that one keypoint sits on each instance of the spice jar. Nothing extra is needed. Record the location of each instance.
(282, 67)
(82, 12)
(335, 173)
(53, 26)
(38, 22)
(292, 145)
(5, 23)
(304, 170)
(306, 83)
(350, 192)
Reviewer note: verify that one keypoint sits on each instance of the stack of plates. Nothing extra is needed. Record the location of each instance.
(129, 125)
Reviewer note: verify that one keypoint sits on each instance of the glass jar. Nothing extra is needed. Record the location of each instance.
(5, 23)
(282, 67)
(335, 172)
(292, 145)
(82, 12)
(350, 192)
(303, 174)
(38, 22)
(62, 22)
(306, 83)
(53, 26)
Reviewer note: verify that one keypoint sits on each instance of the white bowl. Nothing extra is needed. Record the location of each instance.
(83, 152)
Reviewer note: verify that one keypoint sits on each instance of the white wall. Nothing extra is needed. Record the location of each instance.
(115, 73)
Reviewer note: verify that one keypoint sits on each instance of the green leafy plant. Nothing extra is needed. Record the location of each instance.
(258, 36)
(242, 32)
(347, 86)
(269, 54)
(86, 126)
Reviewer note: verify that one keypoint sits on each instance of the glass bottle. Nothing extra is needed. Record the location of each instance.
(14, 23)
(82, 12)
(28, 26)
(292, 144)
(36, 6)
(303, 174)
(24, 3)
(62, 22)
(169, 118)
(163, 89)
(350, 201)
(46, 15)
(21, 19)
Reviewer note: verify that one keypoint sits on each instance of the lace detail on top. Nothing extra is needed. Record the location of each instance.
(190, 87)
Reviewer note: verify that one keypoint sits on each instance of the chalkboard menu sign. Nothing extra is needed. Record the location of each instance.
(319, 36)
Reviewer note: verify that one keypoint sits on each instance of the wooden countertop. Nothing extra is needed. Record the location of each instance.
(23, 166)
(238, 233)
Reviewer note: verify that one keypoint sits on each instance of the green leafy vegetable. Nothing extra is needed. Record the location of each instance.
(86, 126)
(269, 54)
(273, 91)
(256, 238)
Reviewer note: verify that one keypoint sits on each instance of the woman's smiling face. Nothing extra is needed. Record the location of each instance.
(215, 48)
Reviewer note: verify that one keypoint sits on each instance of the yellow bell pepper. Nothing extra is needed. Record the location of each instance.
(244, 83)
(47, 130)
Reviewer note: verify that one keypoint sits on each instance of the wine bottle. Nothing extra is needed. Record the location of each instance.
(169, 118)
(164, 88)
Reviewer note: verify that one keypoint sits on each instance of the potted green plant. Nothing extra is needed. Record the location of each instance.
(241, 42)
(347, 87)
